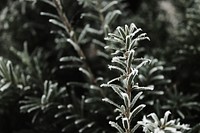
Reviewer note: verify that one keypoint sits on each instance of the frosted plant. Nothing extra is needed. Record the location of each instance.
(123, 49)
(124, 61)
(152, 124)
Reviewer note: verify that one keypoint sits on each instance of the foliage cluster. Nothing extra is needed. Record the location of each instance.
(62, 64)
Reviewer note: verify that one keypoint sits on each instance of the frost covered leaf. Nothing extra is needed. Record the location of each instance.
(111, 102)
(115, 125)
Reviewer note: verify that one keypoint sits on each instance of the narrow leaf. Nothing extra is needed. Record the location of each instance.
(117, 68)
(136, 111)
(131, 76)
(134, 100)
(126, 99)
(75, 45)
(117, 89)
(89, 125)
(49, 15)
(111, 102)
(70, 58)
(86, 72)
(108, 6)
(121, 32)
(115, 125)
(83, 33)
(155, 69)
(135, 128)
(125, 123)
(59, 24)
(111, 16)
(130, 59)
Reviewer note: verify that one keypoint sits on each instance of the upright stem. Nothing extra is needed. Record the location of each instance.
(128, 109)
(62, 15)
(71, 33)
(128, 91)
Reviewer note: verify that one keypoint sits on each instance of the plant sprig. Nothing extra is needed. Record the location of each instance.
(125, 42)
